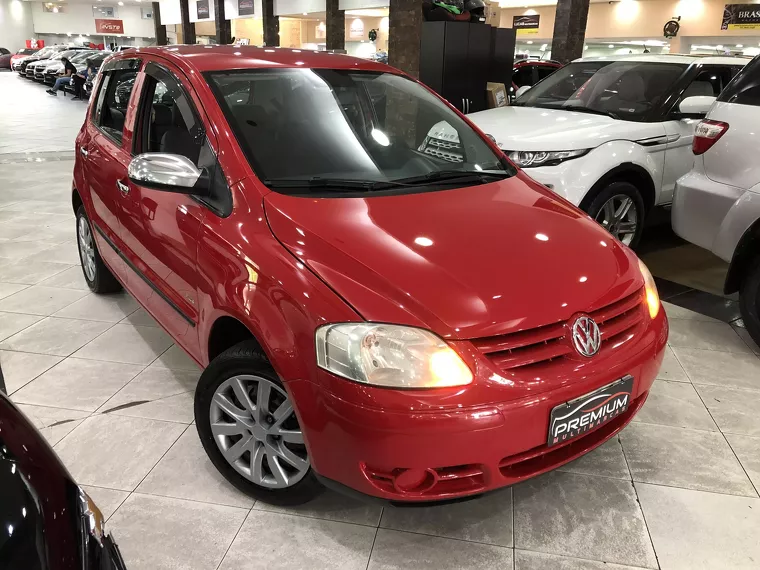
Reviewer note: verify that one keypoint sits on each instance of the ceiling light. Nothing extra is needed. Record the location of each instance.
(739, 45)
(305, 13)
(121, 3)
(611, 46)
(718, 47)
(530, 42)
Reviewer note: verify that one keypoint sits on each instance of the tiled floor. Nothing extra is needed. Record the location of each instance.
(677, 489)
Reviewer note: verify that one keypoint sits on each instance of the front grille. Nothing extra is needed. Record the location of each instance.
(546, 345)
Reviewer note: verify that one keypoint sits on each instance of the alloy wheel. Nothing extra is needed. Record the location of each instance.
(618, 215)
(86, 248)
(255, 427)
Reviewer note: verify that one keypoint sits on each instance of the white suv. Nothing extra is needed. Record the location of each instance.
(610, 134)
(717, 204)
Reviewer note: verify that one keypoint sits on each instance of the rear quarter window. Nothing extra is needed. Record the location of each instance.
(744, 89)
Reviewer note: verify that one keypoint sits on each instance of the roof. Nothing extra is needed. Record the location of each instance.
(672, 58)
(215, 57)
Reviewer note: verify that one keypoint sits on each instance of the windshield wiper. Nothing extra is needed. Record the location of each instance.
(480, 176)
(332, 184)
(592, 111)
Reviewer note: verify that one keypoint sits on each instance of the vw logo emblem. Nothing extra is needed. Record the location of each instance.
(586, 337)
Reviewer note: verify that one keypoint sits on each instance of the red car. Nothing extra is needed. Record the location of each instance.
(370, 316)
(20, 54)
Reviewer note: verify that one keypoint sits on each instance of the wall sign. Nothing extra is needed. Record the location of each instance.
(245, 7)
(741, 17)
(202, 7)
(321, 31)
(109, 26)
(356, 31)
(526, 24)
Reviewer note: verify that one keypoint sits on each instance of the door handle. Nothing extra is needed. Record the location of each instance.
(123, 188)
(83, 151)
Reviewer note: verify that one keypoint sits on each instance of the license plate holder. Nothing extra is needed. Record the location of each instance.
(580, 415)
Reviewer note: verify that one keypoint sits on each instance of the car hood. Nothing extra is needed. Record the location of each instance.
(465, 263)
(531, 128)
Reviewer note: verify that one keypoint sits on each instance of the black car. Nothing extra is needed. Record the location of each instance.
(47, 522)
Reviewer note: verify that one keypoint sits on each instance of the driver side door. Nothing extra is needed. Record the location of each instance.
(679, 159)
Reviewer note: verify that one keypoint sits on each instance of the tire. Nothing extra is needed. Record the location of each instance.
(99, 278)
(749, 300)
(619, 192)
(245, 368)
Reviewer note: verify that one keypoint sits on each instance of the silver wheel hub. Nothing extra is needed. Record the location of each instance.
(86, 248)
(256, 429)
(618, 215)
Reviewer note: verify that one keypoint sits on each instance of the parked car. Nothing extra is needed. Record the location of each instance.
(21, 54)
(44, 53)
(610, 134)
(53, 70)
(717, 204)
(47, 520)
(528, 72)
(5, 58)
(368, 317)
(37, 70)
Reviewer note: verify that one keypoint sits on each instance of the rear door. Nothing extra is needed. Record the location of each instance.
(105, 159)
(709, 82)
(733, 158)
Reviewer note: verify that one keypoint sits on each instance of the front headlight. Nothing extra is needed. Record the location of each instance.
(651, 294)
(389, 355)
(526, 159)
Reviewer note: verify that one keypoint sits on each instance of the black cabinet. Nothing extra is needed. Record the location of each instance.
(457, 60)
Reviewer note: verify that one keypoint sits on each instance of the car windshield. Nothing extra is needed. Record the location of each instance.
(624, 89)
(324, 125)
(26, 51)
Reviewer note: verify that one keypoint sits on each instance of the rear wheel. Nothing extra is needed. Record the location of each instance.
(619, 208)
(249, 429)
(749, 301)
(99, 278)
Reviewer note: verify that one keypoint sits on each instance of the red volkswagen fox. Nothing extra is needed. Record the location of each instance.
(374, 312)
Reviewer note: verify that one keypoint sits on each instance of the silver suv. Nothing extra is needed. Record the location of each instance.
(717, 204)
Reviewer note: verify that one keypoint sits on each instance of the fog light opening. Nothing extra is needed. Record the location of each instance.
(414, 480)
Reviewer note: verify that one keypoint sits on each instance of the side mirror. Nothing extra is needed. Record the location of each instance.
(698, 106)
(168, 173)
(521, 90)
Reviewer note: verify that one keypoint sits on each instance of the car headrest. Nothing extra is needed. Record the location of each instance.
(631, 87)
(162, 114)
(699, 89)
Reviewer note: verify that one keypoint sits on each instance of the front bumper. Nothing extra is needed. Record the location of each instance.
(700, 208)
(460, 451)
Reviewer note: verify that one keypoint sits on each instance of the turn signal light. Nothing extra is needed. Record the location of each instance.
(707, 134)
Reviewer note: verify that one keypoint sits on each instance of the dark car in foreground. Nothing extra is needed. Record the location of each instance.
(47, 522)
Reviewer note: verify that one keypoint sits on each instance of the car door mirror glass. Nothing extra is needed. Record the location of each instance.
(696, 106)
(168, 172)
(521, 90)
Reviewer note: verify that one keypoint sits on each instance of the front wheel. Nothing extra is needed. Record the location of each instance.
(249, 429)
(619, 208)
(749, 301)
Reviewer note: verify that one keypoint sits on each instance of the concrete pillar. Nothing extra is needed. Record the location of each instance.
(404, 33)
(223, 27)
(188, 27)
(335, 20)
(271, 24)
(161, 39)
(569, 30)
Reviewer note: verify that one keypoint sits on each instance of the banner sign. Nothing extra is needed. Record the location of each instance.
(741, 17)
(245, 7)
(109, 26)
(203, 10)
(527, 24)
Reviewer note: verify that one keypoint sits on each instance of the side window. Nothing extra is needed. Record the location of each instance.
(710, 82)
(745, 88)
(167, 121)
(545, 71)
(523, 76)
(113, 101)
